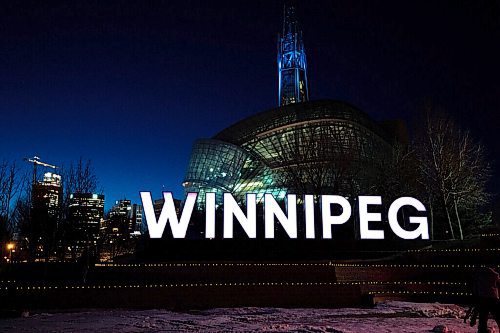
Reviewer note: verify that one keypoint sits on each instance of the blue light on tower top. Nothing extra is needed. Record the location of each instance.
(292, 65)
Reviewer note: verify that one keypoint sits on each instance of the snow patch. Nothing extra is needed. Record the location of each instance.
(391, 316)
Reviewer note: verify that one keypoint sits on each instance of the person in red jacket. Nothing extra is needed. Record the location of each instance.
(485, 290)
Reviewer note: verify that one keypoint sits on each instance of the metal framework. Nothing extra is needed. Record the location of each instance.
(308, 148)
(292, 65)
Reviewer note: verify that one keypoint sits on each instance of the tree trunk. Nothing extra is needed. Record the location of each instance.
(431, 227)
(449, 218)
(458, 219)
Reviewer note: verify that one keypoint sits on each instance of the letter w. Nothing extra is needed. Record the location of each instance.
(168, 213)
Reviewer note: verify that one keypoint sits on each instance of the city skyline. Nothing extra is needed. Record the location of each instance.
(131, 87)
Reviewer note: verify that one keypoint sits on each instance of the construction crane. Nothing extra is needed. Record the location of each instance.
(36, 161)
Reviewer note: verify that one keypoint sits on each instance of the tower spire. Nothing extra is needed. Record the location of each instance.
(292, 65)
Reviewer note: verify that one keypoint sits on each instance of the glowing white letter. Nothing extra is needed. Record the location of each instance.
(309, 212)
(326, 211)
(272, 209)
(248, 222)
(167, 214)
(423, 228)
(210, 215)
(365, 217)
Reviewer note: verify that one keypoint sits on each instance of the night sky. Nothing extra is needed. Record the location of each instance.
(131, 84)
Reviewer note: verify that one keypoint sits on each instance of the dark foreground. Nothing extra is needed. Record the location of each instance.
(385, 317)
(437, 273)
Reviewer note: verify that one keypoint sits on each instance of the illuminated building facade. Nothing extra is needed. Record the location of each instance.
(86, 215)
(47, 194)
(136, 219)
(45, 212)
(119, 220)
(124, 220)
(315, 147)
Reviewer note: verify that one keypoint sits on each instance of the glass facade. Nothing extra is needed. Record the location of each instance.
(313, 147)
(219, 167)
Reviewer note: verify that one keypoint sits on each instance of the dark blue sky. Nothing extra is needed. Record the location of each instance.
(131, 84)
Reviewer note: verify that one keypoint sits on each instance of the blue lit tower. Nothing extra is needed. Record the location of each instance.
(292, 66)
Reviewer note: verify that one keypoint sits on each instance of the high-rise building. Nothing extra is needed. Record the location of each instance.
(136, 219)
(292, 65)
(120, 222)
(44, 214)
(85, 216)
(47, 194)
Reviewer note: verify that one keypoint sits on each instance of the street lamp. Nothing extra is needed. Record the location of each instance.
(10, 247)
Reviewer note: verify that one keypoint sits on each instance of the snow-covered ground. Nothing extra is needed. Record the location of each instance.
(385, 317)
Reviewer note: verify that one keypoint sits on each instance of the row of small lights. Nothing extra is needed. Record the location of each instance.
(266, 264)
(408, 265)
(210, 264)
(276, 264)
(289, 264)
(239, 284)
(455, 250)
(188, 264)
(490, 235)
(405, 292)
(453, 283)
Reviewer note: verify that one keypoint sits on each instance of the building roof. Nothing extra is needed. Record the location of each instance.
(291, 114)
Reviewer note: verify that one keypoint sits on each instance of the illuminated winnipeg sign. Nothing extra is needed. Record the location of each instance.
(287, 218)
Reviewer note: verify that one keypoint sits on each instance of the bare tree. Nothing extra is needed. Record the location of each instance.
(396, 176)
(77, 178)
(315, 159)
(472, 172)
(453, 169)
(10, 189)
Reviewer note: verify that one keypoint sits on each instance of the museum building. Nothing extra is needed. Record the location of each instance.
(300, 147)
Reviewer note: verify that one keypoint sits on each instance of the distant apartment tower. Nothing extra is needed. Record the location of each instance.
(86, 214)
(47, 194)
